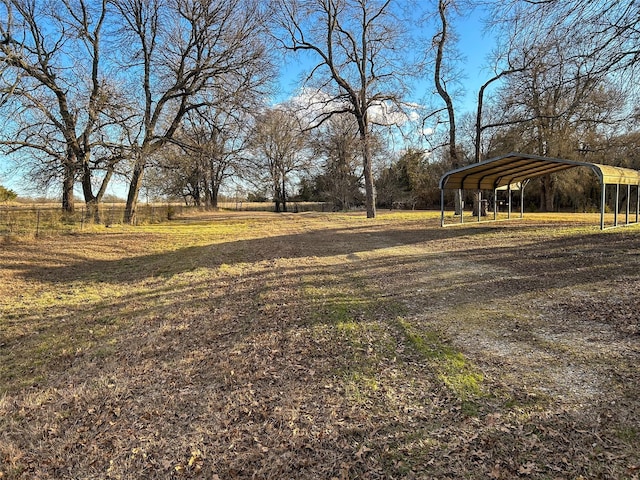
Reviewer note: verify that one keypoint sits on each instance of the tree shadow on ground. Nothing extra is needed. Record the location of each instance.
(289, 369)
(322, 243)
(505, 270)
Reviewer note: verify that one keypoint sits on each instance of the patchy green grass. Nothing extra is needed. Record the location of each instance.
(452, 367)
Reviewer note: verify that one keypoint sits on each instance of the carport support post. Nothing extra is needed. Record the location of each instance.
(637, 203)
(509, 201)
(603, 204)
(495, 203)
(615, 214)
(522, 200)
(479, 204)
(442, 207)
(626, 218)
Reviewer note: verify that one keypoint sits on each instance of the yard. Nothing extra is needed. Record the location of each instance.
(320, 346)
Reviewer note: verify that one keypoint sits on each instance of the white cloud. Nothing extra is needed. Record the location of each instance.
(313, 104)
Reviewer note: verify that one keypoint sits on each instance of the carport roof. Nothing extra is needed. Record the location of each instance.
(516, 167)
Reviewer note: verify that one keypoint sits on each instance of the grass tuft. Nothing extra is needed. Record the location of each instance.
(452, 367)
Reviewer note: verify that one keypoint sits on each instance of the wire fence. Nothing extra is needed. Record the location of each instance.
(23, 220)
(47, 220)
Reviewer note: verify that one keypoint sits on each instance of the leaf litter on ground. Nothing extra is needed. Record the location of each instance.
(322, 346)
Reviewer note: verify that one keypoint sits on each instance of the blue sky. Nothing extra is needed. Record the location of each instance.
(473, 44)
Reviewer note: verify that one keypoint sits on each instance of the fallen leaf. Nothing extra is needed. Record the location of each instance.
(361, 452)
(496, 472)
(527, 469)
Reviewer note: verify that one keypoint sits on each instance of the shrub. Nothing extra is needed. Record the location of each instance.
(7, 195)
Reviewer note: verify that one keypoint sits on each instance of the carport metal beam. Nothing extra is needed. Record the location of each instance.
(603, 203)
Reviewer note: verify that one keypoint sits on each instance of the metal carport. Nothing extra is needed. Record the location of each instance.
(514, 169)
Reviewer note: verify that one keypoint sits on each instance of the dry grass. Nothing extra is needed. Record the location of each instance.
(251, 345)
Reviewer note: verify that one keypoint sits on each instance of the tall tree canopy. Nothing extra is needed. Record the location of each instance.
(59, 104)
(90, 89)
(356, 44)
(184, 55)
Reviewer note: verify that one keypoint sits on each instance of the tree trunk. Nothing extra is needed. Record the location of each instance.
(476, 203)
(93, 210)
(207, 184)
(105, 181)
(369, 184)
(215, 187)
(284, 194)
(90, 200)
(134, 190)
(442, 40)
(547, 192)
(68, 199)
(195, 194)
(208, 194)
(276, 196)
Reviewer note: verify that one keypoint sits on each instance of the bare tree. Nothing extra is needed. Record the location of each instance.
(211, 149)
(181, 54)
(558, 103)
(507, 60)
(336, 144)
(606, 32)
(280, 150)
(443, 40)
(356, 44)
(57, 92)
